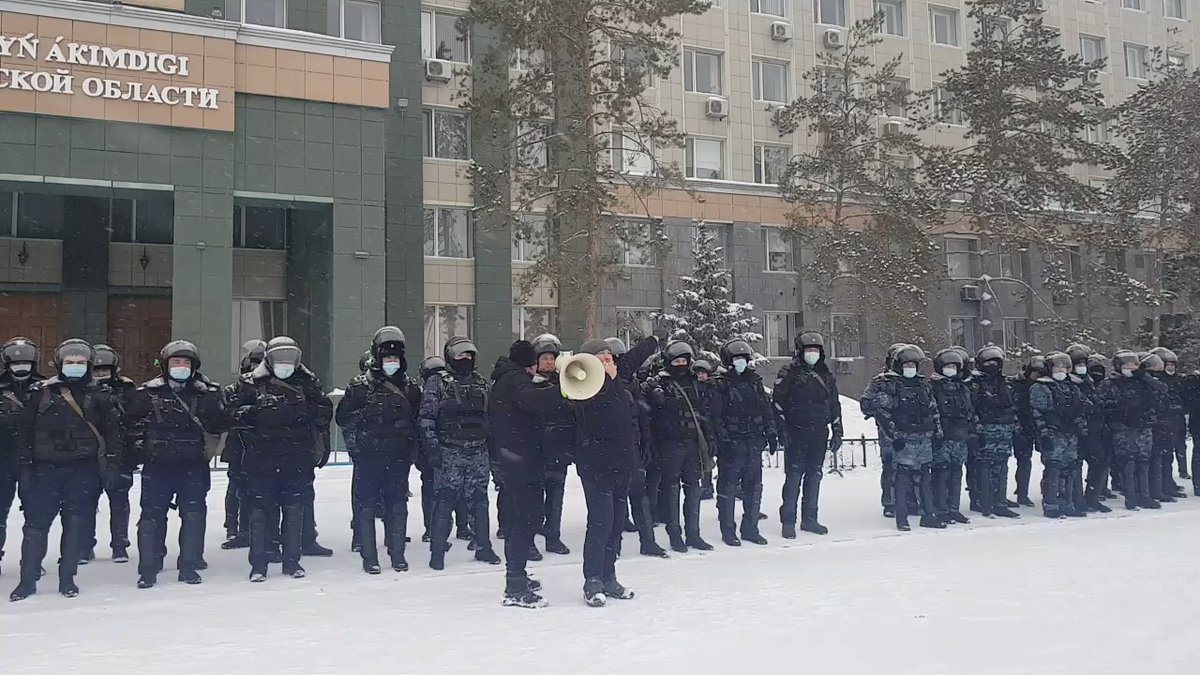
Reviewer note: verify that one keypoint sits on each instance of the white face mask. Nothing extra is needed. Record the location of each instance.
(950, 371)
(1081, 369)
(1059, 375)
(284, 370)
(739, 365)
(391, 368)
(811, 358)
(180, 373)
(909, 371)
(1127, 373)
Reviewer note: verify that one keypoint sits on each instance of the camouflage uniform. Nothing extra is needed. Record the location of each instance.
(1129, 403)
(992, 396)
(870, 406)
(958, 424)
(907, 409)
(1058, 410)
(454, 440)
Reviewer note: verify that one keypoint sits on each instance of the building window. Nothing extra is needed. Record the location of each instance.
(260, 227)
(34, 216)
(962, 332)
(634, 325)
(531, 240)
(893, 16)
(705, 158)
(1136, 62)
(943, 25)
(1013, 263)
(443, 322)
(1092, 50)
(1098, 132)
(533, 153)
(779, 333)
(772, 7)
(844, 336)
(1175, 9)
(256, 320)
(355, 19)
(701, 72)
(832, 83)
(1016, 335)
(770, 81)
(8, 213)
(780, 255)
(830, 12)
(443, 38)
(446, 135)
(723, 239)
(142, 221)
(634, 65)
(770, 163)
(636, 253)
(631, 156)
(259, 12)
(961, 257)
(898, 91)
(447, 232)
(946, 107)
(1134, 4)
(530, 322)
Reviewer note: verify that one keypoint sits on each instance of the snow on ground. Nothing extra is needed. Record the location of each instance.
(1025, 596)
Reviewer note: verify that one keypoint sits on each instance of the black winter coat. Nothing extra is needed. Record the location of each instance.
(515, 406)
(607, 431)
(167, 424)
(53, 433)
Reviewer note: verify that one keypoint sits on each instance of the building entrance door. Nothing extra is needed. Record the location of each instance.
(37, 316)
(138, 327)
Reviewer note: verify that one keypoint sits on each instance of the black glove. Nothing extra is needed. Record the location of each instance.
(324, 458)
(772, 444)
(897, 444)
(1045, 444)
(835, 442)
(243, 417)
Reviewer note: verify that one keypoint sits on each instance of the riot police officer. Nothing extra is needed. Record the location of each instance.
(284, 417)
(1093, 441)
(454, 439)
(869, 406)
(557, 439)
(1059, 412)
(73, 437)
(1130, 401)
(381, 406)
(806, 400)
(107, 373)
(681, 437)
(1170, 436)
(957, 416)
(995, 406)
(744, 423)
(19, 357)
(364, 364)
(167, 420)
(908, 409)
(237, 498)
(1097, 372)
(1025, 436)
(1162, 485)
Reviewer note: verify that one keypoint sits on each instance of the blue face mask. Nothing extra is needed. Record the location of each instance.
(283, 370)
(391, 369)
(909, 372)
(180, 373)
(74, 371)
(740, 365)
(811, 358)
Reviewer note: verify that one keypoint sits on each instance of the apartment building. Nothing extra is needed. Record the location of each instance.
(329, 205)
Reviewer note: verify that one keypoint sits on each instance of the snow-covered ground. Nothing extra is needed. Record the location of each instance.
(1102, 594)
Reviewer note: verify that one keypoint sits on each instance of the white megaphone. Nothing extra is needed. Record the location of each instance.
(580, 376)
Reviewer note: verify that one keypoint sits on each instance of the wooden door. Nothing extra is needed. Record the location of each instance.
(138, 327)
(37, 316)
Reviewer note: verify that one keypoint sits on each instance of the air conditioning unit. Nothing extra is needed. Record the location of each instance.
(892, 127)
(781, 31)
(437, 70)
(716, 107)
(833, 39)
(969, 293)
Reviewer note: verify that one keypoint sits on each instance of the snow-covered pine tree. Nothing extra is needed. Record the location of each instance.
(703, 308)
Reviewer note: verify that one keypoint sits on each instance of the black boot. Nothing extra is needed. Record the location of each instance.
(191, 545)
(691, 516)
(645, 528)
(1050, 484)
(439, 529)
(518, 593)
(1129, 478)
(309, 546)
(1146, 498)
(364, 523)
(74, 531)
(33, 550)
(902, 478)
(983, 489)
(751, 502)
(397, 536)
(999, 478)
(725, 506)
(811, 500)
(674, 531)
(791, 498)
(292, 535)
(258, 543)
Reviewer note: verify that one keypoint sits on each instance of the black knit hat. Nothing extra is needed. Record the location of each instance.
(521, 353)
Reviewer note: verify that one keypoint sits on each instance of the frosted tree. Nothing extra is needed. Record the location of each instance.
(568, 131)
(703, 311)
(859, 197)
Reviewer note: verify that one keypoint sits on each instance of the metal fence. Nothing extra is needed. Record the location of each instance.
(854, 454)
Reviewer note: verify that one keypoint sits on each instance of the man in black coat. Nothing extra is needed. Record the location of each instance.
(515, 405)
(605, 459)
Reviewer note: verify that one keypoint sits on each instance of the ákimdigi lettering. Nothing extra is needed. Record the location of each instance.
(61, 81)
